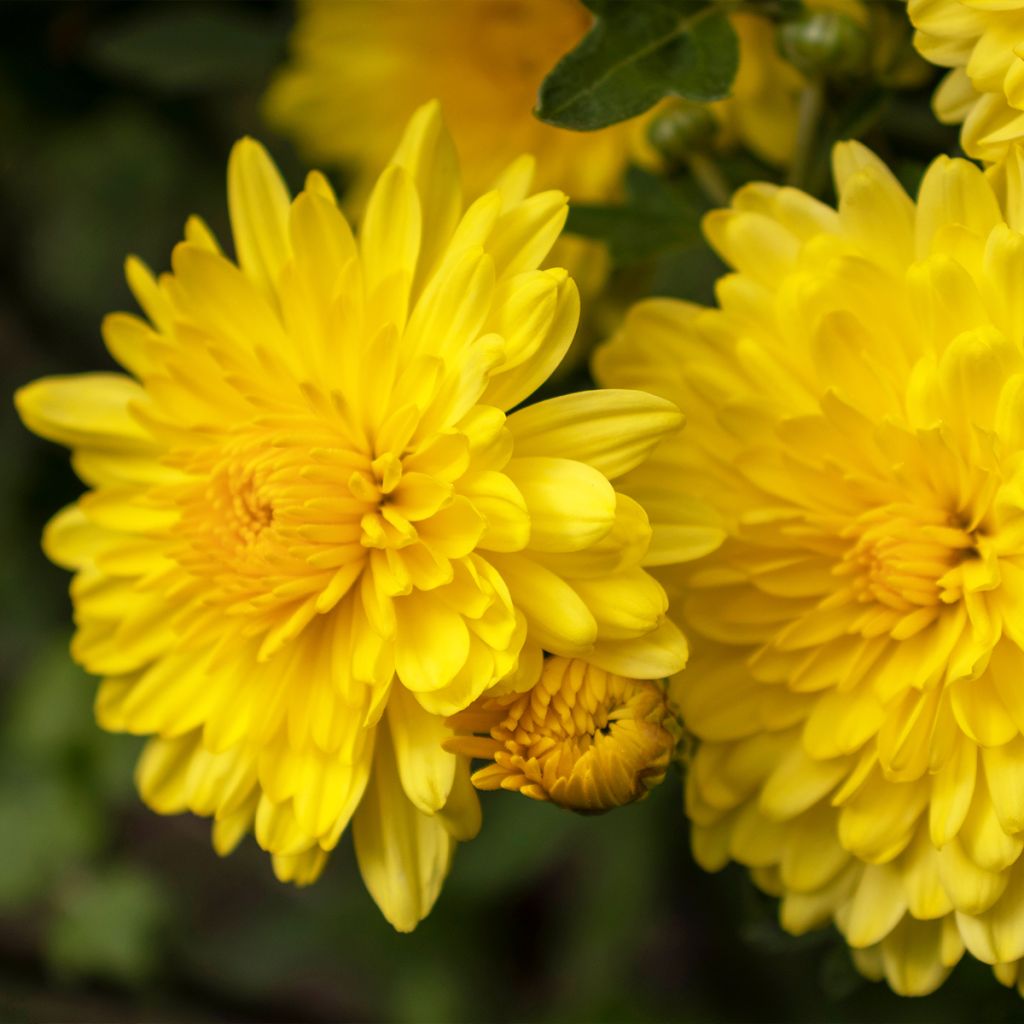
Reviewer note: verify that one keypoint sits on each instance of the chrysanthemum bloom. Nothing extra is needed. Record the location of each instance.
(584, 738)
(848, 512)
(983, 42)
(313, 532)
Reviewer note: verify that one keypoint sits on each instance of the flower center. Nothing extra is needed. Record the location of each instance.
(583, 738)
(902, 553)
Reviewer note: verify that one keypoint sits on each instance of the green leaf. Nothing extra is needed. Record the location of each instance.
(48, 828)
(109, 926)
(660, 217)
(187, 48)
(635, 54)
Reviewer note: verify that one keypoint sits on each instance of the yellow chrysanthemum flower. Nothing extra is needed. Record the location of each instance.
(313, 532)
(983, 42)
(583, 738)
(849, 498)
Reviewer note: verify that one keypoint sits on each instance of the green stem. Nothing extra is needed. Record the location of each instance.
(812, 103)
(709, 176)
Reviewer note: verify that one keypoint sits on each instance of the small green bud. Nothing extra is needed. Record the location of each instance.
(684, 127)
(824, 43)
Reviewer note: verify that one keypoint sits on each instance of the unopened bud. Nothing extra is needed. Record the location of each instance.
(582, 738)
(682, 128)
(824, 43)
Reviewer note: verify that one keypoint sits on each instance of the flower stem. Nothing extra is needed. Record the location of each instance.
(709, 177)
(812, 102)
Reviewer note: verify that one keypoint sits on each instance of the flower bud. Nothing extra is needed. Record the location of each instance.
(824, 43)
(583, 738)
(682, 128)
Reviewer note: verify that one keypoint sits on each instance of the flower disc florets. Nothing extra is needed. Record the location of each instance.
(843, 533)
(583, 738)
(313, 531)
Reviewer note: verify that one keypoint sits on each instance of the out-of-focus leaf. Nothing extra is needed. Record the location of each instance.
(659, 217)
(109, 926)
(46, 827)
(524, 839)
(186, 48)
(51, 708)
(635, 54)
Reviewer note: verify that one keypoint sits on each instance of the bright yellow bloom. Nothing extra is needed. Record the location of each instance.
(848, 505)
(983, 42)
(313, 532)
(584, 738)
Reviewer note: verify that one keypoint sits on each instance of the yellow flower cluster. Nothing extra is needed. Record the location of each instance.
(850, 492)
(313, 531)
(323, 564)
(983, 42)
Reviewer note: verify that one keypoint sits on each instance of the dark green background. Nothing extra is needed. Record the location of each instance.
(115, 124)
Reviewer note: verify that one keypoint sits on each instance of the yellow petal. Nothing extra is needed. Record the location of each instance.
(403, 854)
(571, 505)
(389, 240)
(510, 387)
(626, 605)
(524, 234)
(258, 203)
(89, 410)
(952, 792)
(954, 192)
(613, 431)
(1004, 770)
(431, 642)
(996, 935)
(660, 653)
(875, 907)
(427, 153)
(426, 770)
(558, 618)
(972, 889)
(911, 957)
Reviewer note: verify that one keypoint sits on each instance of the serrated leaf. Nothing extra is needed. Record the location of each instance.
(635, 54)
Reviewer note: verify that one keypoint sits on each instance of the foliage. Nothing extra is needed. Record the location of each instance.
(634, 55)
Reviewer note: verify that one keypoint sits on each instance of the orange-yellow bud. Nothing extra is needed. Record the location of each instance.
(582, 738)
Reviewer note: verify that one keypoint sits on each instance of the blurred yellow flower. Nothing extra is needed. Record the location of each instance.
(312, 532)
(583, 738)
(983, 42)
(842, 531)
(358, 68)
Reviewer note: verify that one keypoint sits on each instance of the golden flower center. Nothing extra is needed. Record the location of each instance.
(583, 738)
(901, 555)
(280, 522)
(236, 505)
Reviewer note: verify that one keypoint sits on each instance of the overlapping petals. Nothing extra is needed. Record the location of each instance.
(313, 531)
(842, 531)
(982, 41)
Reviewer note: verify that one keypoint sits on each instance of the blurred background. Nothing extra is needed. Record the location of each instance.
(115, 124)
